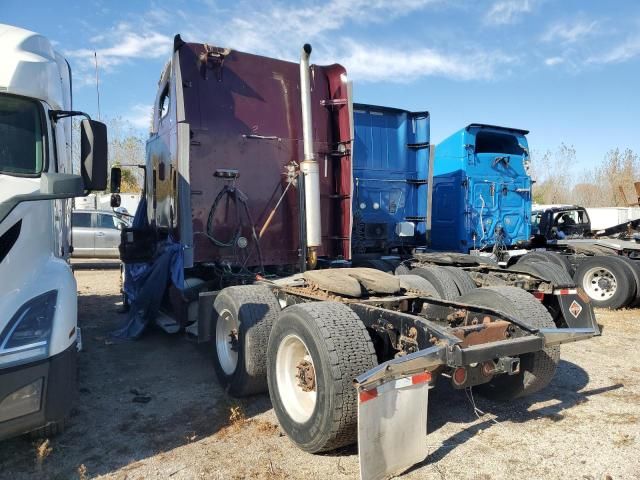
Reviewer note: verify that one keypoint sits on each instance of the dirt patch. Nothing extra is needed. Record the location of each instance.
(185, 427)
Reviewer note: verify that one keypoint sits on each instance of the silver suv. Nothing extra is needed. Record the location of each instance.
(96, 233)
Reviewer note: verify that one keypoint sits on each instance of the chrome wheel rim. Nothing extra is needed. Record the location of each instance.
(600, 283)
(295, 378)
(227, 328)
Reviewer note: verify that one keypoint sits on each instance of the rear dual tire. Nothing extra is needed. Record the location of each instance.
(243, 318)
(449, 282)
(548, 257)
(537, 369)
(315, 351)
(608, 280)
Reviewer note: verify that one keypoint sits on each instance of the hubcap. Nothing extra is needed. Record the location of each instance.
(296, 378)
(600, 283)
(227, 341)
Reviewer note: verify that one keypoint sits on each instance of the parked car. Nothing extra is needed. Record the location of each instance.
(96, 233)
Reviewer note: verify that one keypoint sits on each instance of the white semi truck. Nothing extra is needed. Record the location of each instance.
(38, 297)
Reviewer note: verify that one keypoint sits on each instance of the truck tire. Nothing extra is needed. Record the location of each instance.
(545, 256)
(242, 320)
(607, 280)
(462, 279)
(327, 345)
(536, 368)
(418, 284)
(402, 269)
(634, 267)
(551, 272)
(441, 279)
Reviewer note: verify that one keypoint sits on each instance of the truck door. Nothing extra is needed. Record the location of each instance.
(107, 235)
(83, 238)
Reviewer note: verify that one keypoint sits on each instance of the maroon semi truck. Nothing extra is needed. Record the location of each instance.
(249, 170)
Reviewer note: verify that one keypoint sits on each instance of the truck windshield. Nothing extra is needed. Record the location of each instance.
(493, 142)
(21, 141)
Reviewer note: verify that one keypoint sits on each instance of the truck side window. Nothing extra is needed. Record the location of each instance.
(492, 142)
(21, 136)
(164, 102)
(107, 221)
(81, 219)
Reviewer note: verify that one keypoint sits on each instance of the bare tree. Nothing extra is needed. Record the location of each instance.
(126, 147)
(551, 174)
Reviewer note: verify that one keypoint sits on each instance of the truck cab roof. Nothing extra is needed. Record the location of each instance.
(556, 208)
(495, 127)
(32, 68)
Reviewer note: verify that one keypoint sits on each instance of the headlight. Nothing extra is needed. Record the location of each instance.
(26, 336)
(24, 401)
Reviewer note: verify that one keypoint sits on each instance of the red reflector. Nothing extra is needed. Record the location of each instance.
(539, 295)
(460, 375)
(421, 378)
(367, 395)
(564, 291)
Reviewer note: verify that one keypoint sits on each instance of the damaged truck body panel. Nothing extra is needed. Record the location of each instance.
(227, 118)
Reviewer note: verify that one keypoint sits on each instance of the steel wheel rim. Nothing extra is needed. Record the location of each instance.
(227, 328)
(298, 403)
(600, 283)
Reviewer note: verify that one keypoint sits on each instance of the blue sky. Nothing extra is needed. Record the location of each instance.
(568, 70)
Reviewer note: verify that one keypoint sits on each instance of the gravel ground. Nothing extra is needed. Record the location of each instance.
(153, 409)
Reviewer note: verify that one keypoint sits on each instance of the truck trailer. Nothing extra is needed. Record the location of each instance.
(249, 183)
(38, 300)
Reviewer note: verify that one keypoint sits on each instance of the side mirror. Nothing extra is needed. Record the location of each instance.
(116, 179)
(93, 154)
(115, 200)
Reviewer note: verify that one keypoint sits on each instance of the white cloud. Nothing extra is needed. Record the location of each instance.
(570, 32)
(120, 44)
(279, 31)
(370, 63)
(274, 29)
(627, 50)
(139, 116)
(327, 28)
(552, 61)
(504, 12)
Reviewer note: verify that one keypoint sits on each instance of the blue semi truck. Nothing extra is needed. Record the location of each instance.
(472, 192)
(469, 194)
(481, 190)
(390, 180)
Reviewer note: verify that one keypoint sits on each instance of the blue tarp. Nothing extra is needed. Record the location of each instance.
(145, 283)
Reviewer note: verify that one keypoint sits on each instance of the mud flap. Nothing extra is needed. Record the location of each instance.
(576, 308)
(392, 426)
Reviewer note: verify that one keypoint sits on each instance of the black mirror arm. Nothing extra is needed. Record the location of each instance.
(56, 115)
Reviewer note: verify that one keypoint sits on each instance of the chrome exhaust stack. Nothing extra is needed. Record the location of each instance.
(309, 166)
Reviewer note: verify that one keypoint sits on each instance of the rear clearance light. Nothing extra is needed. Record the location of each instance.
(417, 379)
(459, 376)
(566, 291)
(539, 295)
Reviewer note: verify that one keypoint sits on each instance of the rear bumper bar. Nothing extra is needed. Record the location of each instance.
(452, 355)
